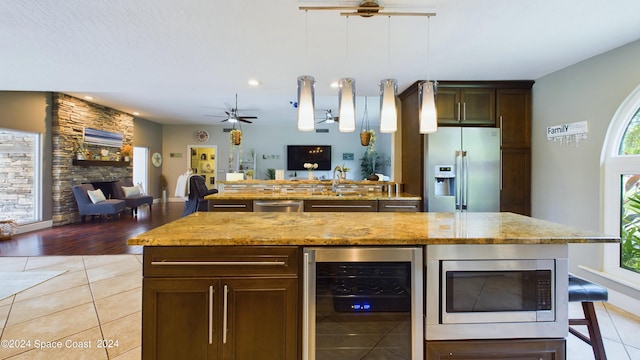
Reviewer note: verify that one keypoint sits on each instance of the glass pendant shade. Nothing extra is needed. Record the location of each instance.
(347, 105)
(428, 115)
(306, 103)
(388, 109)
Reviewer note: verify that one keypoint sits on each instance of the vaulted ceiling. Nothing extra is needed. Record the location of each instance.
(176, 61)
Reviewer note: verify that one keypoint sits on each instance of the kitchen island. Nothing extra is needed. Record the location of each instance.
(228, 285)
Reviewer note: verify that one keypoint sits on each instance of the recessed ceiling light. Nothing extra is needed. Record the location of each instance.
(253, 82)
(335, 85)
(136, 113)
(88, 97)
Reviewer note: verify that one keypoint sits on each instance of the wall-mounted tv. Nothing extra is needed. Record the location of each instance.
(298, 155)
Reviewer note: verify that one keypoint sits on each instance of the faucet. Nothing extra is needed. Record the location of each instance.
(336, 180)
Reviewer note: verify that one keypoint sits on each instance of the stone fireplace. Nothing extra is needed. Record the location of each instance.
(70, 116)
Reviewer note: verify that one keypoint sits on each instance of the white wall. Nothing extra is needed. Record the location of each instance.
(265, 140)
(565, 178)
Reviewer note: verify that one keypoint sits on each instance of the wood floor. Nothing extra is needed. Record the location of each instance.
(100, 237)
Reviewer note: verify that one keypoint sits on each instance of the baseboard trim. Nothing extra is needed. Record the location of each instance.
(34, 226)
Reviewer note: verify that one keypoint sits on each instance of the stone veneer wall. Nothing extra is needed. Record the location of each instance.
(70, 116)
(16, 160)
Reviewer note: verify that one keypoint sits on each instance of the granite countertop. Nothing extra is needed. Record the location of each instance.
(332, 228)
(301, 195)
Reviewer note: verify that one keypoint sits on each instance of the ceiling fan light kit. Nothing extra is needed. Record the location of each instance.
(347, 105)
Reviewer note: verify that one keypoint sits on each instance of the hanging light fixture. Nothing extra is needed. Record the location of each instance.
(427, 103)
(428, 117)
(306, 103)
(388, 110)
(306, 93)
(388, 96)
(347, 97)
(347, 105)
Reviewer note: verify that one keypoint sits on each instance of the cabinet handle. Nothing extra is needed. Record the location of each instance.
(229, 206)
(459, 117)
(211, 293)
(400, 206)
(224, 316)
(464, 111)
(219, 263)
(500, 152)
(343, 206)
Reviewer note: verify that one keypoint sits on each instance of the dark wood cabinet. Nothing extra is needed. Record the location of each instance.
(473, 106)
(514, 118)
(534, 349)
(503, 104)
(220, 303)
(398, 206)
(222, 205)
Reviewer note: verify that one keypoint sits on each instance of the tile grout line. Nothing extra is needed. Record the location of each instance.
(93, 301)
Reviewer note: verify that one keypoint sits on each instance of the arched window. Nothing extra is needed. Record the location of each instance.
(620, 166)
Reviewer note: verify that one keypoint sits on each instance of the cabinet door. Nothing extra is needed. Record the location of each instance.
(222, 205)
(515, 190)
(478, 107)
(448, 106)
(543, 349)
(261, 319)
(179, 319)
(514, 117)
(399, 205)
(466, 106)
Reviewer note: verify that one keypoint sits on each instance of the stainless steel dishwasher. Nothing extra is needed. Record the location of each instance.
(277, 206)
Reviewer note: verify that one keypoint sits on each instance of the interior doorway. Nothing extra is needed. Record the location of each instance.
(141, 167)
(202, 160)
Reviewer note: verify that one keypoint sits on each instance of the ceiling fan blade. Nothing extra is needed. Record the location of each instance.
(227, 119)
(247, 121)
(247, 117)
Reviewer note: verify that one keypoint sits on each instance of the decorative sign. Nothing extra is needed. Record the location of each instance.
(568, 132)
(347, 156)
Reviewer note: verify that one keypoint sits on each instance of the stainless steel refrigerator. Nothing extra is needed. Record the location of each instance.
(463, 169)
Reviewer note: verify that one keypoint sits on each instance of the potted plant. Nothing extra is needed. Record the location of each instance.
(79, 149)
(126, 151)
(342, 170)
(235, 136)
(249, 173)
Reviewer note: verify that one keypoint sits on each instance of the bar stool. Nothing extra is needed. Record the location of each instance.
(587, 292)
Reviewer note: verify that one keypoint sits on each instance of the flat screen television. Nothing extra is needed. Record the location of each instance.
(298, 155)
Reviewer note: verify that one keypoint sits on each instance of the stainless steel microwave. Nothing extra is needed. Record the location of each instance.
(496, 291)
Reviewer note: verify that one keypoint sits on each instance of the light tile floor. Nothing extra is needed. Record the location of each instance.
(93, 311)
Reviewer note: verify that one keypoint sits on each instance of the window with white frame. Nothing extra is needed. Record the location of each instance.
(620, 162)
(20, 168)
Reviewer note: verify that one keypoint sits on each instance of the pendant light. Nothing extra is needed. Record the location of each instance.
(347, 105)
(388, 97)
(306, 93)
(347, 96)
(428, 117)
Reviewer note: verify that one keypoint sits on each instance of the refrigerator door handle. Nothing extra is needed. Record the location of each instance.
(465, 169)
(458, 181)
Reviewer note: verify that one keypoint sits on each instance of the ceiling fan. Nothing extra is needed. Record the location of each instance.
(366, 8)
(328, 118)
(233, 117)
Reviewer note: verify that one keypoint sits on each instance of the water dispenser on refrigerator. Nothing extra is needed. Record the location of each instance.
(444, 187)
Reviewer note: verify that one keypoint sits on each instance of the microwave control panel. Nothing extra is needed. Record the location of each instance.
(543, 290)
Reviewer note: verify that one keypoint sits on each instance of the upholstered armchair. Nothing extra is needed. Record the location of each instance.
(92, 202)
(131, 195)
